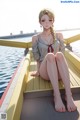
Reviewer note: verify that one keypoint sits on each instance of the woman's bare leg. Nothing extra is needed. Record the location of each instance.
(63, 70)
(48, 70)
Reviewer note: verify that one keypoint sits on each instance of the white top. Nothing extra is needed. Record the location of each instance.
(40, 48)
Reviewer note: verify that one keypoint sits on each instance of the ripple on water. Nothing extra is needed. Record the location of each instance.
(9, 60)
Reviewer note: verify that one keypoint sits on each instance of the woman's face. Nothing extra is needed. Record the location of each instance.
(46, 22)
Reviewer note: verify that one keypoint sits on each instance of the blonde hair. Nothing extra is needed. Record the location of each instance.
(51, 16)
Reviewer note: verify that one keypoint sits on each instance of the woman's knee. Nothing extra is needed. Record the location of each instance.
(50, 57)
(59, 56)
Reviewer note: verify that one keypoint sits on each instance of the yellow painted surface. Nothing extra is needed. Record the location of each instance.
(26, 44)
(15, 105)
(72, 39)
(11, 43)
(73, 58)
(38, 84)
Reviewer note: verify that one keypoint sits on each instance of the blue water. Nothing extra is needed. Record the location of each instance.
(10, 58)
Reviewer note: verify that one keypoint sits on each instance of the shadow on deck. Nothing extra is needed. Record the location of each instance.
(42, 108)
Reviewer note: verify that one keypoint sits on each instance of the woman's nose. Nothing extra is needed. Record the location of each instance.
(47, 22)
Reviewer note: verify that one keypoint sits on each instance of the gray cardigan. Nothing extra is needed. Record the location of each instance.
(39, 48)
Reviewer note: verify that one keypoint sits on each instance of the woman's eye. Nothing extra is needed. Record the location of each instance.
(42, 20)
(50, 20)
(45, 20)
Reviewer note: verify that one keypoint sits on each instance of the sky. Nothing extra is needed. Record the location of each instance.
(22, 15)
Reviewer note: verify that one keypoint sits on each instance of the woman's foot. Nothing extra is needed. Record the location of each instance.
(70, 104)
(59, 106)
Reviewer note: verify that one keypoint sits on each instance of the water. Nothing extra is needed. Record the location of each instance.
(10, 58)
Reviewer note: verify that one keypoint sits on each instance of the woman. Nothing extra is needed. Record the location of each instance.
(48, 51)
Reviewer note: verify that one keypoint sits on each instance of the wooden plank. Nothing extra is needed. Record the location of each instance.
(50, 85)
(72, 39)
(12, 43)
(36, 79)
(72, 81)
(42, 83)
(39, 84)
(73, 58)
(30, 82)
(73, 67)
(75, 74)
(77, 79)
(36, 83)
(61, 85)
(47, 86)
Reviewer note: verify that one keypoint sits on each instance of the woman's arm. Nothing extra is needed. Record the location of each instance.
(35, 49)
(38, 66)
(35, 55)
(60, 36)
(61, 40)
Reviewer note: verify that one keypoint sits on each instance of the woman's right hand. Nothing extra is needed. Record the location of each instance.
(35, 73)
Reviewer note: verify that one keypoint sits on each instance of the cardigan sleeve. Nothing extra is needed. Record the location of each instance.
(62, 46)
(35, 50)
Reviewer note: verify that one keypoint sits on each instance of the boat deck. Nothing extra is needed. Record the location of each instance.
(42, 108)
(38, 100)
(38, 84)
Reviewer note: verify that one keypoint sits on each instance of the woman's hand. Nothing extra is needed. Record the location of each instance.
(35, 73)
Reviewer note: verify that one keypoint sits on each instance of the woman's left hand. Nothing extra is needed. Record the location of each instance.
(36, 73)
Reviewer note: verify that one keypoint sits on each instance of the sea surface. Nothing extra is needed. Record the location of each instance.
(10, 58)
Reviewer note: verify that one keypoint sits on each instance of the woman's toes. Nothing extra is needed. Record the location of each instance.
(74, 108)
(61, 109)
(58, 109)
(70, 103)
(69, 109)
(59, 106)
(71, 106)
(64, 109)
